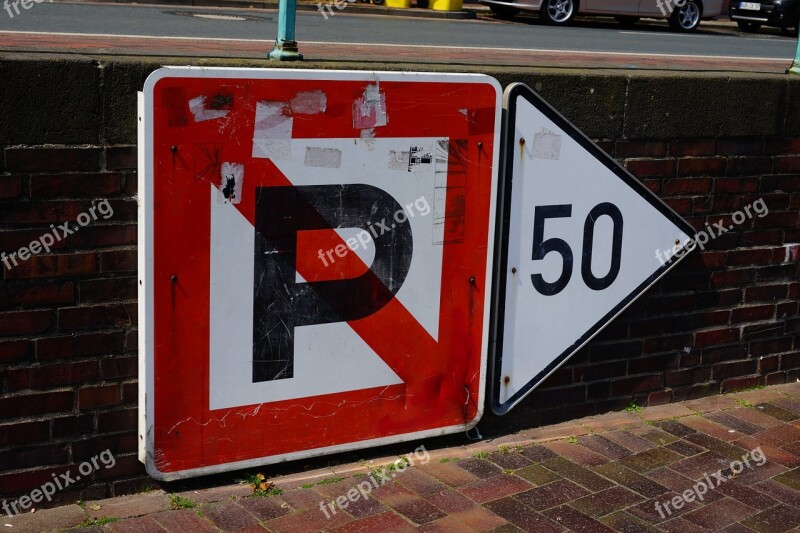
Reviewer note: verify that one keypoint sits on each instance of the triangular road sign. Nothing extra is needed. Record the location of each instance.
(580, 241)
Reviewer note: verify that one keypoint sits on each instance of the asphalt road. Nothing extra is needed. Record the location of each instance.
(525, 33)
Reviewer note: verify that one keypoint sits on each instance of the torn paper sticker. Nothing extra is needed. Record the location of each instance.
(232, 175)
(201, 113)
(323, 157)
(309, 103)
(398, 160)
(272, 137)
(369, 110)
(546, 145)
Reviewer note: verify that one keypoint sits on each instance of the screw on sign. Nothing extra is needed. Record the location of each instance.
(255, 350)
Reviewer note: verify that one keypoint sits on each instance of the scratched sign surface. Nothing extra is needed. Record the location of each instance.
(314, 261)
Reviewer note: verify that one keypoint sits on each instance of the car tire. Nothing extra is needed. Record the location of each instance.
(503, 12)
(626, 20)
(558, 12)
(748, 26)
(686, 18)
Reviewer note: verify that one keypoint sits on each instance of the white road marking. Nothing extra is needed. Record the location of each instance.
(418, 46)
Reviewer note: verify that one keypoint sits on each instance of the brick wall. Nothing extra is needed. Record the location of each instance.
(724, 319)
(68, 318)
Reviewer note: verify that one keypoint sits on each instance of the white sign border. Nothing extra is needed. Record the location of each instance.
(146, 239)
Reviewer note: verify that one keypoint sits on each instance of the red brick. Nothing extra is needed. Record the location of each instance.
(716, 336)
(682, 206)
(740, 146)
(756, 312)
(767, 347)
(21, 482)
(112, 421)
(778, 182)
(685, 377)
(651, 167)
(121, 157)
(97, 316)
(702, 166)
(731, 185)
(729, 278)
(53, 348)
(47, 266)
(10, 187)
(686, 186)
(787, 164)
(37, 295)
(734, 369)
(25, 322)
(105, 290)
(36, 404)
(774, 219)
(640, 149)
(45, 212)
(119, 261)
(759, 256)
(15, 239)
(130, 393)
(15, 351)
(75, 185)
(52, 159)
(659, 398)
(733, 384)
(73, 426)
(748, 165)
(693, 147)
(635, 384)
(100, 236)
(31, 456)
(132, 341)
(119, 367)
(783, 146)
(94, 397)
(50, 376)
(762, 237)
(24, 433)
(767, 293)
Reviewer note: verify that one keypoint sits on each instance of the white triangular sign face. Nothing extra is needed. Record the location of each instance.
(584, 239)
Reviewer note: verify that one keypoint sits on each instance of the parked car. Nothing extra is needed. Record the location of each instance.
(682, 15)
(750, 16)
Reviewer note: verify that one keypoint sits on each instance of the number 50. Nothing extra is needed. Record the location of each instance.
(542, 247)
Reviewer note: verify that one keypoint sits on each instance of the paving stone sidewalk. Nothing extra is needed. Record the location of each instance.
(603, 473)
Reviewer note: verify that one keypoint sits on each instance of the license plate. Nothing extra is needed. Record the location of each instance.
(754, 6)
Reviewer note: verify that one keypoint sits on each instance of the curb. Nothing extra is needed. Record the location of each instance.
(352, 8)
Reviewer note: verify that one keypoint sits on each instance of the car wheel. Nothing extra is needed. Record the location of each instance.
(627, 21)
(558, 12)
(503, 12)
(748, 26)
(686, 17)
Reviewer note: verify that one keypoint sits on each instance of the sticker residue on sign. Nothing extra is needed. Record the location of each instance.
(272, 138)
(546, 145)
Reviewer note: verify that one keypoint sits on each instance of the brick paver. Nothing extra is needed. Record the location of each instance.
(637, 472)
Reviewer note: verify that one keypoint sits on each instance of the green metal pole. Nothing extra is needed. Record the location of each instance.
(795, 68)
(285, 48)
